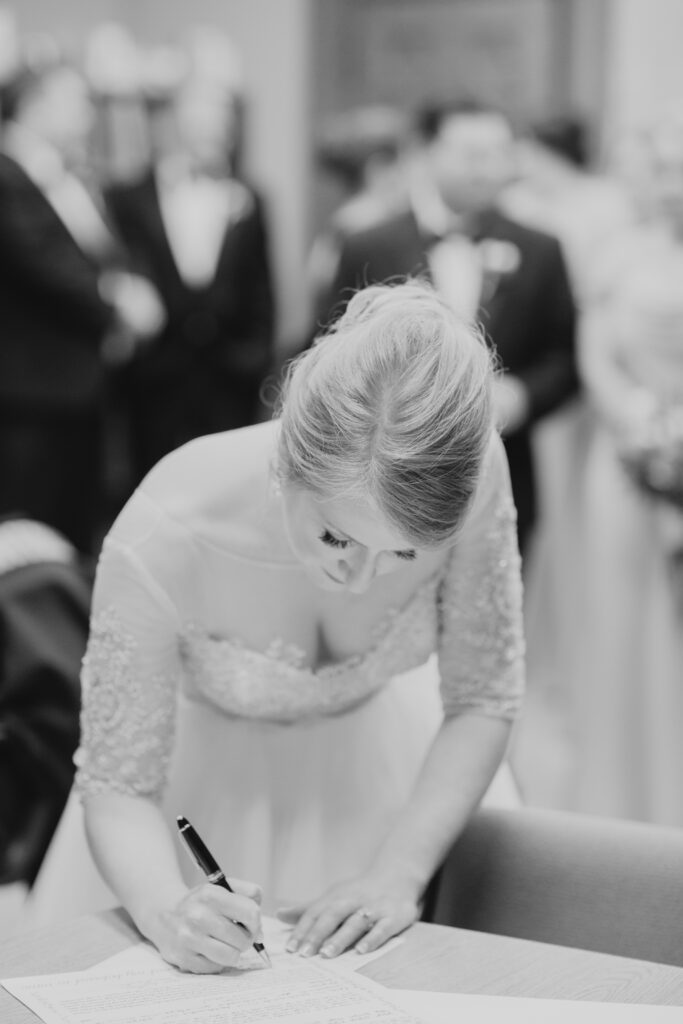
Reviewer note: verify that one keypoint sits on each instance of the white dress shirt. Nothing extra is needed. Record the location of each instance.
(197, 210)
(455, 263)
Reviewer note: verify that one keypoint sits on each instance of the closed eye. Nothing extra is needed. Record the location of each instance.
(408, 556)
(334, 542)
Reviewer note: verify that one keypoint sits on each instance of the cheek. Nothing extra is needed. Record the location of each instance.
(388, 563)
(300, 536)
(305, 539)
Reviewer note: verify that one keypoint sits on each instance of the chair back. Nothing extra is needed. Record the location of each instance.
(593, 883)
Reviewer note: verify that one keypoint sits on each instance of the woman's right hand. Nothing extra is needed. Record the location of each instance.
(199, 933)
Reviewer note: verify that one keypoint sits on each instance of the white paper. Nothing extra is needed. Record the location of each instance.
(443, 1008)
(295, 991)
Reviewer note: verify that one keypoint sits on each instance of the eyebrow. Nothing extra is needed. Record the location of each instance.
(345, 536)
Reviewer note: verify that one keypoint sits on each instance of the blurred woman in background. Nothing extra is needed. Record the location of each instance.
(560, 191)
(630, 720)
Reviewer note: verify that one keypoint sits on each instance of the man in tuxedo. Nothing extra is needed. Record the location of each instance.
(57, 317)
(511, 279)
(200, 235)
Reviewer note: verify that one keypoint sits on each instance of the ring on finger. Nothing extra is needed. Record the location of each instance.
(369, 919)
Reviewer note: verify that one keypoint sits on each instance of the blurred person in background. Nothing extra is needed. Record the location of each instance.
(558, 191)
(66, 306)
(512, 278)
(365, 151)
(200, 235)
(628, 728)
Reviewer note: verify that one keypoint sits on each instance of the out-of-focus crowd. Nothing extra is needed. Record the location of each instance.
(136, 288)
(137, 312)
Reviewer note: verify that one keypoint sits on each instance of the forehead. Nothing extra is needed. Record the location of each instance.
(360, 521)
(475, 131)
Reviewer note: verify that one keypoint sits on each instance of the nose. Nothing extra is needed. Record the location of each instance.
(358, 570)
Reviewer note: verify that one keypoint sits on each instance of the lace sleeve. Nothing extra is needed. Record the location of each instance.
(129, 680)
(481, 644)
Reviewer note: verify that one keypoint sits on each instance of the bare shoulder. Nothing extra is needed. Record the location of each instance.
(218, 486)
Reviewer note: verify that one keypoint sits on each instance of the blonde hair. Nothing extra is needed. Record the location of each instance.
(392, 406)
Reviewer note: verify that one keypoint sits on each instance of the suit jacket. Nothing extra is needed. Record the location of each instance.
(225, 327)
(52, 317)
(44, 609)
(527, 314)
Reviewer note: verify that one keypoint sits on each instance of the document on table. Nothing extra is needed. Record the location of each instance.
(149, 991)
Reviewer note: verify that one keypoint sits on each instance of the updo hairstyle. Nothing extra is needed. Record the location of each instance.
(392, 406)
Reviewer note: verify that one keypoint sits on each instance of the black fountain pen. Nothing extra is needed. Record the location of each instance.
(206, 861)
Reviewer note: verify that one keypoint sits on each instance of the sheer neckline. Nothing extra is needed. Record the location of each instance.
(293, 657)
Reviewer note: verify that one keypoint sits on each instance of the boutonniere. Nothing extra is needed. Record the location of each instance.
(498, 256)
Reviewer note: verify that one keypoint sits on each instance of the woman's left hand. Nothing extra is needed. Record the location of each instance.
(364, 912)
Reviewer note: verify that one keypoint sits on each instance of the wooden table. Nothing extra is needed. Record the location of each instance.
(431, 958)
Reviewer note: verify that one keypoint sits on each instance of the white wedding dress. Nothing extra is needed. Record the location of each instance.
(283, 721)
(628, 727)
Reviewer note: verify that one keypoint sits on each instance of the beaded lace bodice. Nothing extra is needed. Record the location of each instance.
(277, 685)
(146, 645)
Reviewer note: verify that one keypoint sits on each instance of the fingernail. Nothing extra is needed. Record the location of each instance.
(328, 951)
(306, 950)
(361, 947)
(292, 946)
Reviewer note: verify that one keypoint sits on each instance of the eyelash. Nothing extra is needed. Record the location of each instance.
(334, 542)
(337, 542)
(407, 556)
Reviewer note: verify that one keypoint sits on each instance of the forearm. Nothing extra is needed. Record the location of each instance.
(463, 759)
(133, 849)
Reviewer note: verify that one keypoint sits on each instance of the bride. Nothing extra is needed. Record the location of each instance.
(257, 604)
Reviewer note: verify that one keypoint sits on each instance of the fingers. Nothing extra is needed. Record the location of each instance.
(249, 889)
(333, 929)
(358, 913)
(213, 959)
(192, 948)
(380, 933)
(355, 926)
(216, 951)
(212, 928)
(318, 924)
(194, 963)
(233, 907)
